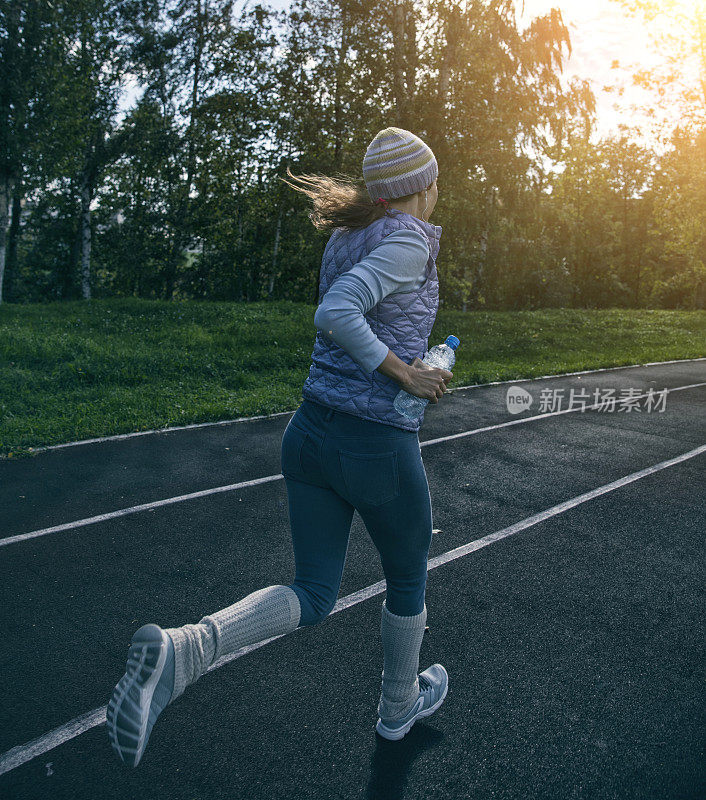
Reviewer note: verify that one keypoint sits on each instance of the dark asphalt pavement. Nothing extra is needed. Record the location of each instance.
(575, 648)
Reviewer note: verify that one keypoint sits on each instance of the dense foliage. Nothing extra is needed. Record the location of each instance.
(142, 143)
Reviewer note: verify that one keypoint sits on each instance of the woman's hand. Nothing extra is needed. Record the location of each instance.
(426, 382)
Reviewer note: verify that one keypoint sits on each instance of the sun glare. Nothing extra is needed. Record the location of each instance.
(681, 6)
(572, 8)
(610, 45)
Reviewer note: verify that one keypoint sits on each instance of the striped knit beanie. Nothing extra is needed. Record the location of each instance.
(398, 163)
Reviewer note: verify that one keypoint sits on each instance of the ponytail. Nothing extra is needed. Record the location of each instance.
(338, 202)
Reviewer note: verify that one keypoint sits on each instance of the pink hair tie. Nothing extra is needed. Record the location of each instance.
(381, 201)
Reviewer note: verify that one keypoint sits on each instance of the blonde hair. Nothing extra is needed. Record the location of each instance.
(338, 202)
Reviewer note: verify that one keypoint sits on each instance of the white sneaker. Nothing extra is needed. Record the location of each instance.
(142, 693)
(433, 685)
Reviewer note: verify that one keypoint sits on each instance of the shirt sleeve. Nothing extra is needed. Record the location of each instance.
(396, 264)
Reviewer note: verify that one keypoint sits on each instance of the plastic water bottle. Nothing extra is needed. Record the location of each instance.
(441, 355)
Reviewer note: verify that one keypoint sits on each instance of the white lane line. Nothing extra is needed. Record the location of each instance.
(119, 436)
(582, 372)
(42, 744)
(122, 512)
(26, 752)
(520, 420)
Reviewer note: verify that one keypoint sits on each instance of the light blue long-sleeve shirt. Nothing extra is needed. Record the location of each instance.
(396, 264)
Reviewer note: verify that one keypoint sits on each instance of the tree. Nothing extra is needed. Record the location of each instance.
(678, 233)
(629, 169)
(105, 37)
(30, 47)
(492, 98)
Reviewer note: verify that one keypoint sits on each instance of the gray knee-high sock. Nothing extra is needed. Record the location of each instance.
(401, 641)
(261, 615)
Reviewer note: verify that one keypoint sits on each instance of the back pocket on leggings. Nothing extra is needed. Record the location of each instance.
(370, 478)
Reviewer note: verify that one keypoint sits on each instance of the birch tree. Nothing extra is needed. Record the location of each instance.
(29, 49)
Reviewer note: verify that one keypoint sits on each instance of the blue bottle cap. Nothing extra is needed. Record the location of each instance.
(453, 342)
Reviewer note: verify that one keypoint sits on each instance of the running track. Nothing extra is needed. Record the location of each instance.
(565, 598)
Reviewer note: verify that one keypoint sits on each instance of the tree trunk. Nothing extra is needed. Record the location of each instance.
(12, 241)
(626, 243)
(242, 291)
(342, 55)
(398, 62)
(170, 271)
(443, 89)
(273, 274)
(485, 233)
(451, 22)
(638, 265)
(412, 59)
(5, 194)
(184, 203)
(701, 23)
(85, 226)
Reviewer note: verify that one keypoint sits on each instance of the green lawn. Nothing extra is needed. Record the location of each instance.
(76, 370)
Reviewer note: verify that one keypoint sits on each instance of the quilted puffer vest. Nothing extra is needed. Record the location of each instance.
(402, 321)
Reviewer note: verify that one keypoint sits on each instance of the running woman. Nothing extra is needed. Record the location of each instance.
(345, 448)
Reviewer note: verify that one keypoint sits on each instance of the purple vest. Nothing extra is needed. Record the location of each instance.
(402, 321)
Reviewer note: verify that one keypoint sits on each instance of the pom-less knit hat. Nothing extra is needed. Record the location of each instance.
(398, 163)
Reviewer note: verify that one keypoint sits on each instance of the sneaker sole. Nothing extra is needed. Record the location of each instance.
(127, 716)
(395, 734)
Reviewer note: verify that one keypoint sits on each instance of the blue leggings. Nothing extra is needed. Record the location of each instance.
(333, 463)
